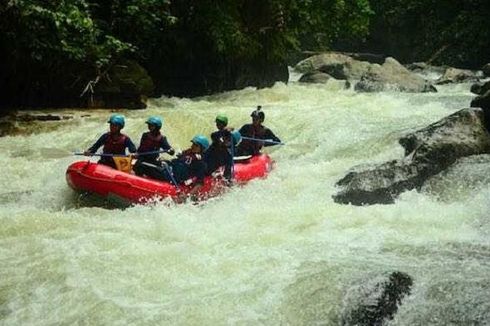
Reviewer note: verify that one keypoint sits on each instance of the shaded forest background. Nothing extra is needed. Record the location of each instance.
(82, 53)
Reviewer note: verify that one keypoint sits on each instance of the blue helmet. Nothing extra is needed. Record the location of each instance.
(117, 119)
(237, 138)
(201, 141)
(156, 121)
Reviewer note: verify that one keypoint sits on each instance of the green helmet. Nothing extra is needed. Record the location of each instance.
(201, 141)
(222, 118)
(117, 119)
(156, 121)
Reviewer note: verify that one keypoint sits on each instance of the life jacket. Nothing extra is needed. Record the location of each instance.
(150, 142)
(115, 144)
(188, 157)
(182, 166)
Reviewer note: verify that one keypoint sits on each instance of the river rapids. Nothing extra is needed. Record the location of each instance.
(277, 251)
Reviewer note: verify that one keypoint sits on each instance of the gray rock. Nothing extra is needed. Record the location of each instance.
(351, 69)
(427, 152)
(454, 75)
(392, 76)
(314, 63)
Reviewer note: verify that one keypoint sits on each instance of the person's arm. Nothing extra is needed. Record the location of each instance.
(166, 146)
(141, 142)
(101, 141)
(130, 145)
(269, 135)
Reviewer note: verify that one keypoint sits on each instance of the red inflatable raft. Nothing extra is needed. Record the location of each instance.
(108, 182)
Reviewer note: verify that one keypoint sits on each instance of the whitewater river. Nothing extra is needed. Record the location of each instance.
(277, 251)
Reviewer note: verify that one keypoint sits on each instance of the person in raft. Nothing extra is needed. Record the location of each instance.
(255, 130)
(218, 153)
(221, 151)
(114, 142)
(188, 165)
(151, 141)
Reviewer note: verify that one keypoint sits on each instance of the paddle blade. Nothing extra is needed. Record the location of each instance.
(123, 164)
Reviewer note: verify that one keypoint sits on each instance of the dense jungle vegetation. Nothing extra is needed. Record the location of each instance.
(58, 52)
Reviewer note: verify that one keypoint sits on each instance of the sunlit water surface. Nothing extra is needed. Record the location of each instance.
(276, 251)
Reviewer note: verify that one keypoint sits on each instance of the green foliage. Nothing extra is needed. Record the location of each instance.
(319, 23)
(418, 29)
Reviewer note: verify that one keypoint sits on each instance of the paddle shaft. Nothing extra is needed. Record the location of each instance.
(120, 155)
(264, 140)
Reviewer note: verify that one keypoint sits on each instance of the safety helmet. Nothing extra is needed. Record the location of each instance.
(237, 138)
(222, 118)
(117, 119)
(156, 121)
(201, 141)
(258, 113)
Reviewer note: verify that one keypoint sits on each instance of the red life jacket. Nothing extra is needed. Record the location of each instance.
(115, 144)
(150, 142)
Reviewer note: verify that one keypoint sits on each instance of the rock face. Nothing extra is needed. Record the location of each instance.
(427, 152)
(454, 75)
(392, 76)
(127, 85)
(486, 70)
(376, 300)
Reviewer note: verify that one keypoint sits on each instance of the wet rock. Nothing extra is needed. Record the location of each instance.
(422, 67)
(375, 300)
(482, 101)
(454, 75)
(392, 76)
(486, 70)
(42, 117)
(314, 63)
(315, 77)
(349, 70)
(337, 65)
(427, 152)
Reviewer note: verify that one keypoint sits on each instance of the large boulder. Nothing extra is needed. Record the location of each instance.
(314, 63)
(337, 65)
(392, 76)
(427, 152)
(126, 85)
(455, 75)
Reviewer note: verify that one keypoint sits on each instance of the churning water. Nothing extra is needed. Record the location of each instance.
(277, 251)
